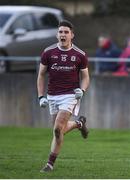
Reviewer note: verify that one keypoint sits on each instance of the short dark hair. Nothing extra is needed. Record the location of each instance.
(66, 23)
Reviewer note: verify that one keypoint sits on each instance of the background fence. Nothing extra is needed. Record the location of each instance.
(92, 60)
(106, 103)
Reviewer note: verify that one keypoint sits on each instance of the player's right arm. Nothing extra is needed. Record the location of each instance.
(41, 85)
(41, 80)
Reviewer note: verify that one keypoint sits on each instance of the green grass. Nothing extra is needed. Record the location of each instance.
(106, 154)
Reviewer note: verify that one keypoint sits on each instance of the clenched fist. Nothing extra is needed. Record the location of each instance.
(78, 93)
(43, 101)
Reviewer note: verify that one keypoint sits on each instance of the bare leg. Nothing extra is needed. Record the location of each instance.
(60, 124)
(70, 126)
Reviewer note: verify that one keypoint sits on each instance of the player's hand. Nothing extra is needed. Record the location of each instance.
(43, 101)
(78, 93)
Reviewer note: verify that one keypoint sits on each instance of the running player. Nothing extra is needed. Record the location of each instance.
(67, 66)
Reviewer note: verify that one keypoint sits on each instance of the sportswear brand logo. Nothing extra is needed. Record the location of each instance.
(54, 57)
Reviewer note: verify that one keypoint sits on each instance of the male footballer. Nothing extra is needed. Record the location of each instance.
(67, 67)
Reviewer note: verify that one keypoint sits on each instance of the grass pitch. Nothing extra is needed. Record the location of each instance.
(105, 154)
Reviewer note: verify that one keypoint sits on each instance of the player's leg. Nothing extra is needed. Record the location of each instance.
(58, 136)
(80, 124)
(60, 123)
(72, 105)
(70, 126)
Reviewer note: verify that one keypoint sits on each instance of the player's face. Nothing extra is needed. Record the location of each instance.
(65, 36)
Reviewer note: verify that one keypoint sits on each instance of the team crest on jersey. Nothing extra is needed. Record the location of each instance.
(73, 58)
(64, 57)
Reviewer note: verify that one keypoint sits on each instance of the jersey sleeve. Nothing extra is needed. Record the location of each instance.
(84, 61)
(44, 58)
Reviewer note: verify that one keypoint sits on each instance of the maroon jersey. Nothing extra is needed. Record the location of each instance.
(63, 67)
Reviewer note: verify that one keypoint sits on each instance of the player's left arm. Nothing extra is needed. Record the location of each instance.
(84, 83)
(84, 79)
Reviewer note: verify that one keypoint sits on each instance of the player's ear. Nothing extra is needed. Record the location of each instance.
(72, 35)
(57, 36)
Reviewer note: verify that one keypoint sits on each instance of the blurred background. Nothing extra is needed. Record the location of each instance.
(107, 102)
(91, 18)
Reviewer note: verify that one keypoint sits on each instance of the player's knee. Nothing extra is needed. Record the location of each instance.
(57, 132)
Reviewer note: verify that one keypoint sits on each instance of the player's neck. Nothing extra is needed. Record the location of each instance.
(65, 48)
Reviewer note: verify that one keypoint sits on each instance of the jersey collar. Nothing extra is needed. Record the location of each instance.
(62, 49)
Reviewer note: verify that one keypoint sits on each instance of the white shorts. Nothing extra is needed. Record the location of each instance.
(63, 102)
